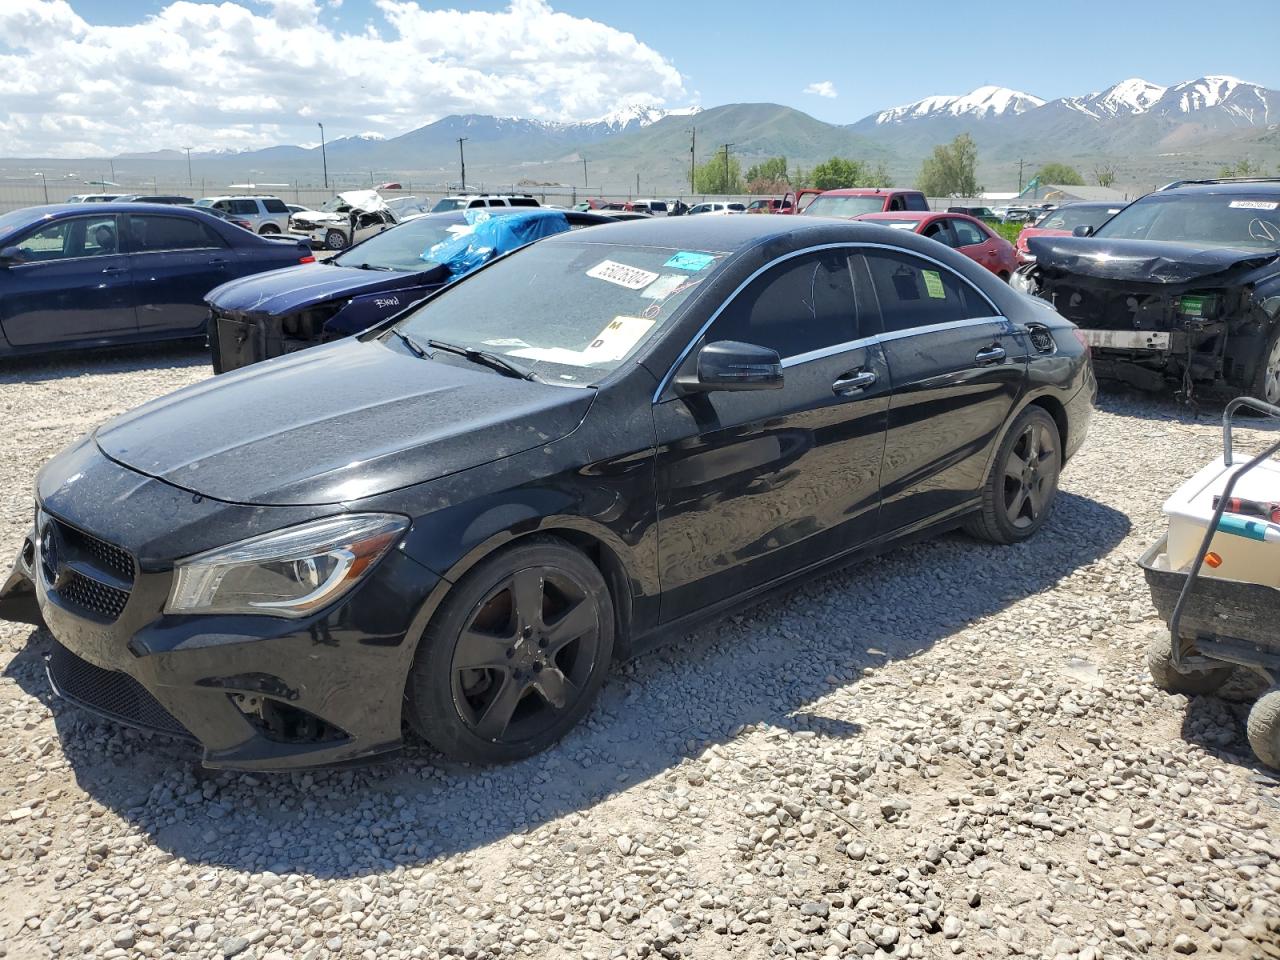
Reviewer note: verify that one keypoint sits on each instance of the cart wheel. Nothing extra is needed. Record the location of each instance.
(1264, 728)
(1170, 680)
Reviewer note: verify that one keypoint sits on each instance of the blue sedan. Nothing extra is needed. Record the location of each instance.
(287, 310)
(75, 276)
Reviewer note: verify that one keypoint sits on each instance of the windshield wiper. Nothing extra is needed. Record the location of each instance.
(491, 360)
(414, 347)
(371, 266)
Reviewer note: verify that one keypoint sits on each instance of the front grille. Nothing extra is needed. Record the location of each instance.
(89, 594)
(86, 573)
(110, 693)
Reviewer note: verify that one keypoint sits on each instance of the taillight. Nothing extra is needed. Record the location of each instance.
(1080, 338)
(307, 259)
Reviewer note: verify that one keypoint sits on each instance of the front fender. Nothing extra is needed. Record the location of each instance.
(370, 309)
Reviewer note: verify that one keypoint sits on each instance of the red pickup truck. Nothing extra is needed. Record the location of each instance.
(855, 201)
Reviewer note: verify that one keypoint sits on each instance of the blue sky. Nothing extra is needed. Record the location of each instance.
(886, 54)
(99, 77)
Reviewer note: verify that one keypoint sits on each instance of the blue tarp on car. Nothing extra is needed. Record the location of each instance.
(492, 235)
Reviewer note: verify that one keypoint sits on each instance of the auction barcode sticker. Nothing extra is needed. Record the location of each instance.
(633, 278)
(1254, 204)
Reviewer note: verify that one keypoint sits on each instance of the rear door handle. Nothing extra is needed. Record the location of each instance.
(856, 383)
(990, 355)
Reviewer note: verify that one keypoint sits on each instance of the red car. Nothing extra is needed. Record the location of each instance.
(970, 236)
(850, 202)
(1064, 221)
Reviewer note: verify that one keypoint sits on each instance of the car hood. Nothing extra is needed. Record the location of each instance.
(1142, 261)
(336, 423)
(279, 292)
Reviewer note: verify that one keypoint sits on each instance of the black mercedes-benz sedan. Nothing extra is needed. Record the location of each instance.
(462, 516)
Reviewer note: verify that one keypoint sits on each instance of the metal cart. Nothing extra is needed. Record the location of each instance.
(1217, 625)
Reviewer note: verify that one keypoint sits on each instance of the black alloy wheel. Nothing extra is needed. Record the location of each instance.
(1023, 483)
(515, 655)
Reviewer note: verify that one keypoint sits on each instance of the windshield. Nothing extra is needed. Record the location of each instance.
(1215, 220)
(15, 220)
(401, 248)
(569, 311)
(844, 206)
(446, 204)
(1068, 218)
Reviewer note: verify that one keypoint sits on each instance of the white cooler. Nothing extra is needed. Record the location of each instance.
(1191, 508)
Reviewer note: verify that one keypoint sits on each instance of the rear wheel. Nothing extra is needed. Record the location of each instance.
(515, 655)
(1266, 385)
(268, 229)
(1023, 482)
(335, 240)
(1263, 728)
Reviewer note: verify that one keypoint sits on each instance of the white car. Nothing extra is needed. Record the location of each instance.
(268, 215)
(717, 207)
(346, 219)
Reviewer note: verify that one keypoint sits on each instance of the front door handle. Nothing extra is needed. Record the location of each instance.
(992, 354)
(113, 270)
(855, 383)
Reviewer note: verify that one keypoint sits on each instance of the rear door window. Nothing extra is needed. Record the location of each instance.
(244, 208)
(523, 202)
(913, 292)
(152, 234)
(274, 205)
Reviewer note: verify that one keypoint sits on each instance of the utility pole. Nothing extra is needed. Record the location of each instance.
(112, 164)
(189, 181)
(584, 173)
(726, 168)
(324, 159)
(462, 159)
(1019, 175)
(693, 156)
(44, 183)
(637, 184)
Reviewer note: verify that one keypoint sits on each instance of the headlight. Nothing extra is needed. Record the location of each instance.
(288, 573)
(1022, 282)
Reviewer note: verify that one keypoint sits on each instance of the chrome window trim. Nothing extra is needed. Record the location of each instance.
(998, 315)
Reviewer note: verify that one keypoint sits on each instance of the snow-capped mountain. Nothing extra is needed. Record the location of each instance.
(983, 103)
(1217, 100)
(635, 116)
(1235, 101)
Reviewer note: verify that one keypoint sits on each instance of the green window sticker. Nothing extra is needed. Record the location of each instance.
(933, 284)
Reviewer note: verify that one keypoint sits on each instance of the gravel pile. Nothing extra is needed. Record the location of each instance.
(952, 750)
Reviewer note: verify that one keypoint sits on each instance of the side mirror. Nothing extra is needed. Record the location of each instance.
(1084, 230)
(10, 255)
(729, 365)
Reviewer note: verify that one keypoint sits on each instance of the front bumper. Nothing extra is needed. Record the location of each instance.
(255, 692)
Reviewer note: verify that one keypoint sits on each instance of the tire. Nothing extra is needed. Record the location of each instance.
(335, 240)
(1170, 680)
(268, 230)
(1018, 494)
(487, 675)
(1266, 383)
(1263, 728)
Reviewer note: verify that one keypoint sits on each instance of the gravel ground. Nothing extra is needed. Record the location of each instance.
(952, 750)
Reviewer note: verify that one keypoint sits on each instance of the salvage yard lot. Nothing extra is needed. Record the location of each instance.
(954, 749)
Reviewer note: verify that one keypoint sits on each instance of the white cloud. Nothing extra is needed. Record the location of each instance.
(249, 73)
(822, 88)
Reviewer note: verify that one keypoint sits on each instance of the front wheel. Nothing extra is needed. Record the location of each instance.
(1266, 385)
(335, 240)
(515, 655)
(1171, 680)
(1023, 483)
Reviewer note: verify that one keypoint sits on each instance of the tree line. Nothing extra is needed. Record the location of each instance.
(950, 170)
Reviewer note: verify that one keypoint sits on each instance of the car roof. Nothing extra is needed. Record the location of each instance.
(866, 191)
(724, 234)
(1226, 188)
(911, 215)
(56, 210)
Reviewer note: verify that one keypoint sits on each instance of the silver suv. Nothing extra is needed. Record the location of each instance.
(268, 215)
(446, 204)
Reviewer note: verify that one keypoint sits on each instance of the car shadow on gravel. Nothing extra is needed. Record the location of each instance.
(169, 355)
(769, 667)
(1168, 408)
